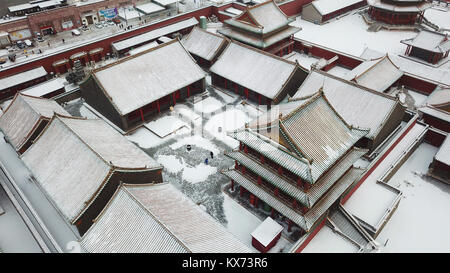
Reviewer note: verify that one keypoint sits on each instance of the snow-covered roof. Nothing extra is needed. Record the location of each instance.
(164, 39)
(198, 231)
(165, 2)
(204, 43)
(378, 74)
(23, 115)
(316, 131)
(154, 34)
(22, 7)
(67, 148)
(261, 18)
(143, 48)
(443, 155)
(49, 3)
(22, 77)
(358, 106)
(148, 76)
(233, 11)
(126, 226)
(328, 6)
(43, 88)
(415, 6)
(309, 219)
(415, 69)
(254, 69)
(439, 98)
(258, 41)
(149, 8)
(430, 41)
(267, 231)
(435, 112)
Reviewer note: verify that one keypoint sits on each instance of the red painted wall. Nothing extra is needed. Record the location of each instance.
(311, 236)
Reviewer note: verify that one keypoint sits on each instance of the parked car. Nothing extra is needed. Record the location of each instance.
(98, 25)
(28, 43)
(21, 44)
(75, 32)
(111, 23)
(104, 23)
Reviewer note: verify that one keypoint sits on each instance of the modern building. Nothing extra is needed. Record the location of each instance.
(10, 85)
(298, 164)
(359, 106)
(263, 26)
(157, 219)
(429, 46)
(204, 46)
(398, 12)
(25, 118)
(135, 88)
(378, 74)
(79, 163)
(321, 11)
(256, 74)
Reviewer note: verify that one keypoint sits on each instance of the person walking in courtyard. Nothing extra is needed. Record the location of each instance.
(206, 161)
(211, 154)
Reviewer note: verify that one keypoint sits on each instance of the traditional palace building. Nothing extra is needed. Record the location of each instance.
(398, 12)
(299, 163)
(263, 26)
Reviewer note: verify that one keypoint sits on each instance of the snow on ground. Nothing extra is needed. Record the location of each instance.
(303, 59)
(208, 105)
(421, 222)
(165, 125)
(326, 241)
(241, 222)
(371, 200)
(349, 34)
(195, 140)
(15, 236)
(227, 97)
(222, 123)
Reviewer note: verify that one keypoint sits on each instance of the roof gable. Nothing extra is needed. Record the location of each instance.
(318, 133)
(204, 43)
(376, 74)
(23, 114)
(358, 106)
(254, 69)
(262, 18)
(138, 80)
(126, 226)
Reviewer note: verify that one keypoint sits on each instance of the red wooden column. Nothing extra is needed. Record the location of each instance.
(236, 88)
(259, 180)
(299, 182)
(236, 164)
(280, 170)
(289, 225)
(276, 192)
(262, 159)
(225, 82)
(259, 99)
(272, 213)
(67, 64)
(188, 91)
(232, 184)
(142, 114)
(174, 99)
(246, 92)
(157, 106)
